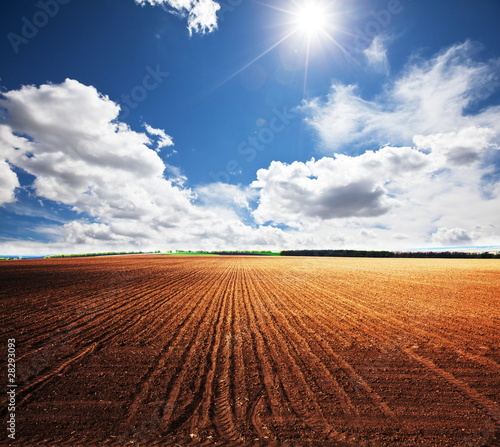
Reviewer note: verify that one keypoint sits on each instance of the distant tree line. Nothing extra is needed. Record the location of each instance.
(109, 253)
(252, 253)
(389, 254)
(225, 252)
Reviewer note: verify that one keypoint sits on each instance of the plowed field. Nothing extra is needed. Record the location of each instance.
(152, 350)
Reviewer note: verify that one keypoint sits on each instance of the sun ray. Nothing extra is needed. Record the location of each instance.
(255, 59)
(306, 68)
(346, 53)
(310, 20)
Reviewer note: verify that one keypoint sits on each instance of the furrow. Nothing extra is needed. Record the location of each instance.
(492, 409)
(203, 416)
(300, 396)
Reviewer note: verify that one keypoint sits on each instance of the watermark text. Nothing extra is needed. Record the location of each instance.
(11, 388)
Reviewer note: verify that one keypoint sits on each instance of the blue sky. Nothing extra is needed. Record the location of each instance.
(203, 124)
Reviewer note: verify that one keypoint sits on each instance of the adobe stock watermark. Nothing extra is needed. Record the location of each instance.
(363, 36)
(11, 388)
(30, 27)
(253, 144)
(151, 81)
(227, 6)
(485, 91)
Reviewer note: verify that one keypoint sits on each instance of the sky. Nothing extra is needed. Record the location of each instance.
(248, 125)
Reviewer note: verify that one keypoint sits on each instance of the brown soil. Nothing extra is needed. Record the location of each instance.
(152, 350)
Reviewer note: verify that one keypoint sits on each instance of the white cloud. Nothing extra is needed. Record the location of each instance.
(81, 156)
(368, 234)
(8, 183)
(78, 233)
(226, 196)
(430, 97)
(376, 55)
(67, 136)
(401, 236)
(164, 140)
(201, 14)
(437, 184)
(459, 148)
(333, 188)
(393, 198)
(451, 236)
(433, 184)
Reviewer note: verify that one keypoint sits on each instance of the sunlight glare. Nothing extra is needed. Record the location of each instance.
(310, 18)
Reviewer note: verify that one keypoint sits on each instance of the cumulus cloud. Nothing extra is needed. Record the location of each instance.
(81, 156)
(201, 14)
(395, 197)
(391, 197)
(68, 138)
(164, 140)
(8, 183)
(451, 236)
(78, 233)
(461, 148)
(368, 234)
(429, 97)
(437, 185)
(226, 196)
(376, 55)
(333, 188)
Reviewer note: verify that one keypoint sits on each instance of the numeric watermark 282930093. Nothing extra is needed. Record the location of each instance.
(11, 388)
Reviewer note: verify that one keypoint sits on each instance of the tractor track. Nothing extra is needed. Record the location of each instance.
(156, 350)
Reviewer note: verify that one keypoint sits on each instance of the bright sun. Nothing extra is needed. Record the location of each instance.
(310, 18)
(308, 23)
